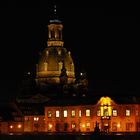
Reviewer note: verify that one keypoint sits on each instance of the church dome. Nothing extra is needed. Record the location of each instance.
(51, 63)
(55, 64)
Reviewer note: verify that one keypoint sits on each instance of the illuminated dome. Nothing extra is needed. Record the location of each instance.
(55, 58)
(51, 63)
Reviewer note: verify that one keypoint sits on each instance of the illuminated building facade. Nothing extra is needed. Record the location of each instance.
(55, 102)
(111, 117)
(77, 116)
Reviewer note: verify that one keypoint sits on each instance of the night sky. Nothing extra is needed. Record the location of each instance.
(103, 43)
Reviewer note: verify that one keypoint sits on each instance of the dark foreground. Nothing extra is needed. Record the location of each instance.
(51, 136)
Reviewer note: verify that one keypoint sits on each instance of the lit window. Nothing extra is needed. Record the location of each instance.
(73, 113)
(118, 125)
(73, 125)
(83, 125)
(87, 112)
(45, 66)
(57, 113)
(98, 113)
(114, 112)
(49, 114)
(65, 113)
(88, 125)
(127, 112)
(59, 52)
(80, 113)
(50, 126)
(106, 113)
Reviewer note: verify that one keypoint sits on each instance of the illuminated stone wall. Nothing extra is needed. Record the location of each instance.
(15, 127)
(80, 118)
(35, 123)
(114, 118)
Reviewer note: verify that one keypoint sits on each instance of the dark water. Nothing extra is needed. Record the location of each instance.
(68, 137)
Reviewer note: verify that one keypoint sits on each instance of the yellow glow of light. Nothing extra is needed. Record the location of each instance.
(55, 43)
(105, 105)
(102, 111)
(50, 125)
(19, 126)
(105, 101)
(118, 125)
(83, 125)
(11, 126)
(36, 118)
(109, 111)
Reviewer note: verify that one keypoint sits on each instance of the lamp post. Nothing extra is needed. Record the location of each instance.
(36, 125)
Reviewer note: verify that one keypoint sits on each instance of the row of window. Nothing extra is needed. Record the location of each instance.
(114, 113)
(88, 125)
(73, 125)
(87, 113)
(65, 113)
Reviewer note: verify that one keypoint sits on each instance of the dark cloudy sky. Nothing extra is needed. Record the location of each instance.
(103, 42)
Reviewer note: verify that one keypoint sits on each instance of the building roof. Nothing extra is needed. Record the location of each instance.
(90, 100)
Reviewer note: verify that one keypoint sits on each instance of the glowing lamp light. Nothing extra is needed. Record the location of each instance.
(81, 73)
(50, 125)
(118, 125)
(11, 126)
(19, 126)
(29, 73)
(83, 125)
(105, 101)
(36, 118)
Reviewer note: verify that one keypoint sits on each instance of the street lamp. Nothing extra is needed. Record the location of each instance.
(36, 125)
